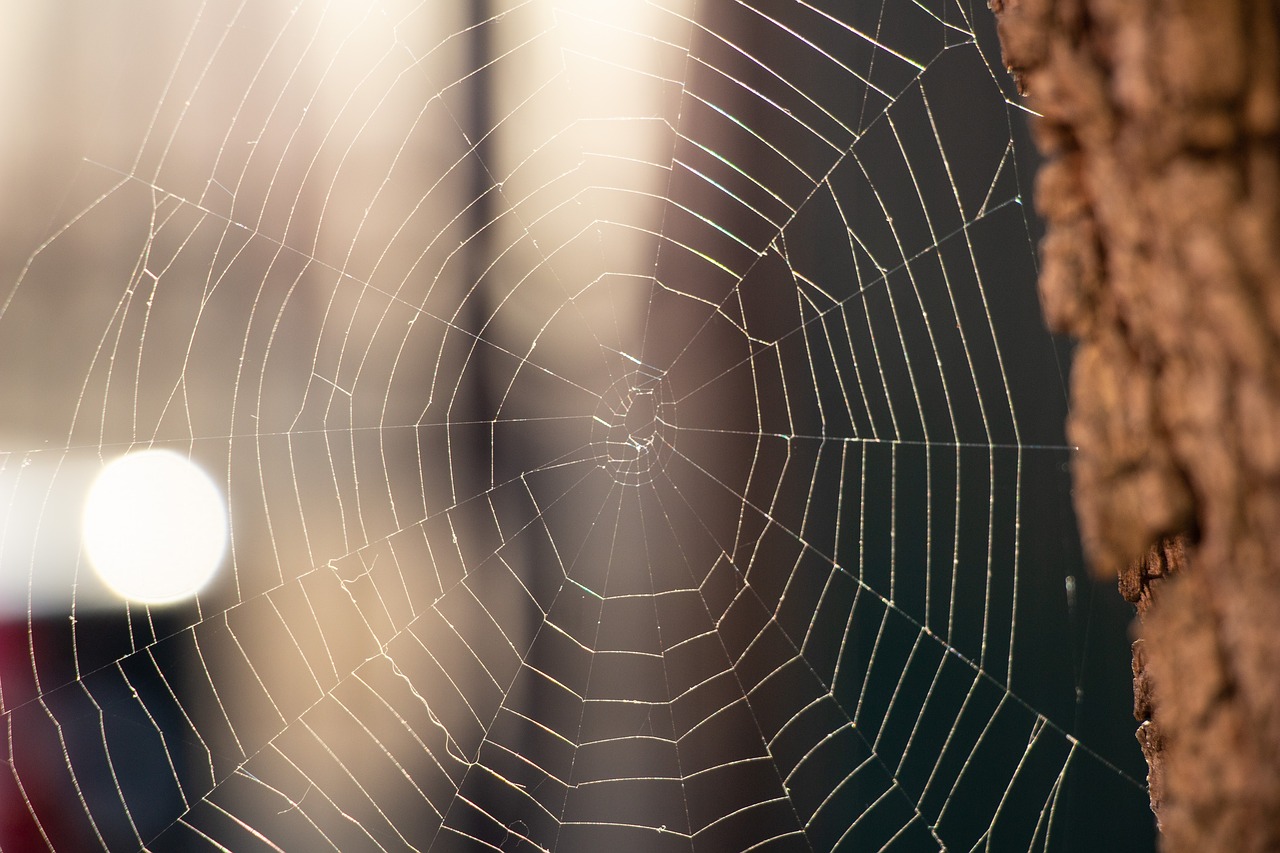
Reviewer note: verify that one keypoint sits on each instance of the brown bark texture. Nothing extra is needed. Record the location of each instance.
(1161, 195)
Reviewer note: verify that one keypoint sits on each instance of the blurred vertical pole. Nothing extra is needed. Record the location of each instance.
(476, 309)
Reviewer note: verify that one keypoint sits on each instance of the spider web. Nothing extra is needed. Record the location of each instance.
(636, 422)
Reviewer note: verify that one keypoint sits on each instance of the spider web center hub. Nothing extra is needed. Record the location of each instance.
(634, 426)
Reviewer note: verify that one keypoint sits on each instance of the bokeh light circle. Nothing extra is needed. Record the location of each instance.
(154, 527)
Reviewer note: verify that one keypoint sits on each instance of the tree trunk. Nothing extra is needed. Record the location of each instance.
(1161, 194)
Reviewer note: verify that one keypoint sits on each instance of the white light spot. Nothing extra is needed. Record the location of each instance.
(155, 527)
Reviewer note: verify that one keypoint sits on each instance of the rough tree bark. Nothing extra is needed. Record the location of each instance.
(1161, 194)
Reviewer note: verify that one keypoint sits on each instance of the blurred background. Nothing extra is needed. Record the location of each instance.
(634, 423)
